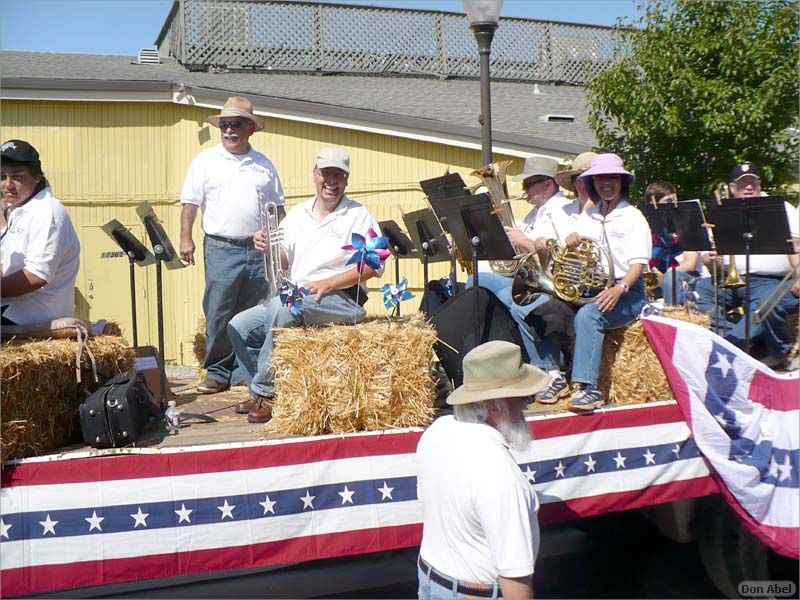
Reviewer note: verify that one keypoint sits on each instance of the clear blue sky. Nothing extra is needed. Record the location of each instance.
(125, 26)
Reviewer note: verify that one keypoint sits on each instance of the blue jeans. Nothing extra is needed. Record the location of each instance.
(500, 286)
(681, 277)
(772, 330)
(590, 331)
(430, 590)
(234, 282)
(251, 332)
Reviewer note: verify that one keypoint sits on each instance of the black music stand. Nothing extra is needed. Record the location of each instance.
(478, 233)
(400, 245)
(136, 253)
(683, 221)
(450, 186)
(164, 252)
(751, 226)
(429, 241)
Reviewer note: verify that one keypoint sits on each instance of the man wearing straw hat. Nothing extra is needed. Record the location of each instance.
(480, 533)
(229, 183)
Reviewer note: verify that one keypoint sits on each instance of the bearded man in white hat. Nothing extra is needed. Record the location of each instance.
(480, 533)
(229, 183)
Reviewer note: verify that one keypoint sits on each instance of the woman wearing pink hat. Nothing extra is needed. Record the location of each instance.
(623, 230)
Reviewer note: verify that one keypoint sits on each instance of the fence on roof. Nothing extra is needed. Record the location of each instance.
(297, 36)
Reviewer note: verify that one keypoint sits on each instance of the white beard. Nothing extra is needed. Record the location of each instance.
(517, 434)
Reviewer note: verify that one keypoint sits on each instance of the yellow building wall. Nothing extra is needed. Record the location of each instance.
(104, 159)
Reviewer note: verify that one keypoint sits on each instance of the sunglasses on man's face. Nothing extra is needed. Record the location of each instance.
(231, 124)
(529, 183)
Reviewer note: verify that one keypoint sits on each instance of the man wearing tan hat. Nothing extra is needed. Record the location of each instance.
(229, 183)
(314, 233)
(480, 533)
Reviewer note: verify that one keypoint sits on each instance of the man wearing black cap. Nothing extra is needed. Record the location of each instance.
(39, 249)
(766, 274)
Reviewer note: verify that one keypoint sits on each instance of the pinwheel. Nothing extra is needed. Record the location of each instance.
(292, 297)
(393, 295)
(664, 251)
(370, 251)
(447, 285)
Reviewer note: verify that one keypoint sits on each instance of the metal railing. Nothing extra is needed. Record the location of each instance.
(277, 35)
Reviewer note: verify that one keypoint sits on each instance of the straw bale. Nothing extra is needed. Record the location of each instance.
(113, 329)
(630, 371)
(341, 378)
(41, 394)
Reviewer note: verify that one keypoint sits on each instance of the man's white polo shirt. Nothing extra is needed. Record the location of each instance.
(479, 512)
(226, 187)
(314, 249)
(41, 239)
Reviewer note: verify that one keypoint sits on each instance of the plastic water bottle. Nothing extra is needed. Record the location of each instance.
(173, 418)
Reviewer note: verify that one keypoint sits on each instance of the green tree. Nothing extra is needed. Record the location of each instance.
(701, 85)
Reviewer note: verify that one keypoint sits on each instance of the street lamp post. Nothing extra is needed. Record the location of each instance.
(483, 16)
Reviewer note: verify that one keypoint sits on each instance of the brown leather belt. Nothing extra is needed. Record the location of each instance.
(482, 590)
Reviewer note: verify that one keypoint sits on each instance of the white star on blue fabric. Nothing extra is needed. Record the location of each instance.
(559, 469)
(308, 500)
(183, 514)
(94, 521)
(620, 460)
(530, 474)
(773, 467)
(785, 469)
(649, 458)
(347, 495)
(140, 518)
(4, 527)
(49, 525)
(723, 364)
(227, 510)
(590, 464)
(386, 492)
(268, 505)
(677, 451)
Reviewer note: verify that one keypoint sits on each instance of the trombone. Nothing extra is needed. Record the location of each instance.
(775, 296)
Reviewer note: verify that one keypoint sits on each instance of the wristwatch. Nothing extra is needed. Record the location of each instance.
(624, 287)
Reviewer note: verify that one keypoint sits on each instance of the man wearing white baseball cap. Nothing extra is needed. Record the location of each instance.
(480, 533)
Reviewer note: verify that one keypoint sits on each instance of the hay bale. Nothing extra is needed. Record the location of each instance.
(340, 378)
(630, 372)
(41, 394)
(112, 328)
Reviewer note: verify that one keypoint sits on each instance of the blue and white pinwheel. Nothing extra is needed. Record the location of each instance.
(370, 251)
(292, 297)
(393, 295)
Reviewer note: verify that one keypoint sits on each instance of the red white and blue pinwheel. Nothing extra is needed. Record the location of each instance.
(665, 248)
(292, 297)
(370, 251)
(393, 295)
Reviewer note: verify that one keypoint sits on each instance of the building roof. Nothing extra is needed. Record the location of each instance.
(441, 109)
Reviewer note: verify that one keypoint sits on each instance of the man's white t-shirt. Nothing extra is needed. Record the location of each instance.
(314, 250)
(479, 512)
(230, 189)
(40, 238)
(775, 265)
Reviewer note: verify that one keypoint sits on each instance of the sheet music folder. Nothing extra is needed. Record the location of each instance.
(684, 218)
(423, 226)
(470, 216)
(764, 217)
(447, 186)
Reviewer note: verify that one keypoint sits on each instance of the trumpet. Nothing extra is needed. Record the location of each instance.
(273, 236)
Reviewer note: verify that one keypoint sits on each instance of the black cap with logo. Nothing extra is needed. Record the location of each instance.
(743, 170)
(22, 152)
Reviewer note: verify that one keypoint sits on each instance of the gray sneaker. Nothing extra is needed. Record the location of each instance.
(586, 399)
(557, 389)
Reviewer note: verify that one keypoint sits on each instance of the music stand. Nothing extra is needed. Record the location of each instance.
(751, 226)
(450, 186)
(478, 233)
(136, 253)
(683, 221)
(400, 245)
(164, 252)
(429, 241)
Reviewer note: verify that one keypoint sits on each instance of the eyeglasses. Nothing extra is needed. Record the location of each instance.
(529, 183)
(231, 124)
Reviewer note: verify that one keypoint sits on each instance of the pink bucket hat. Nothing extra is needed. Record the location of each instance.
(608, 164)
